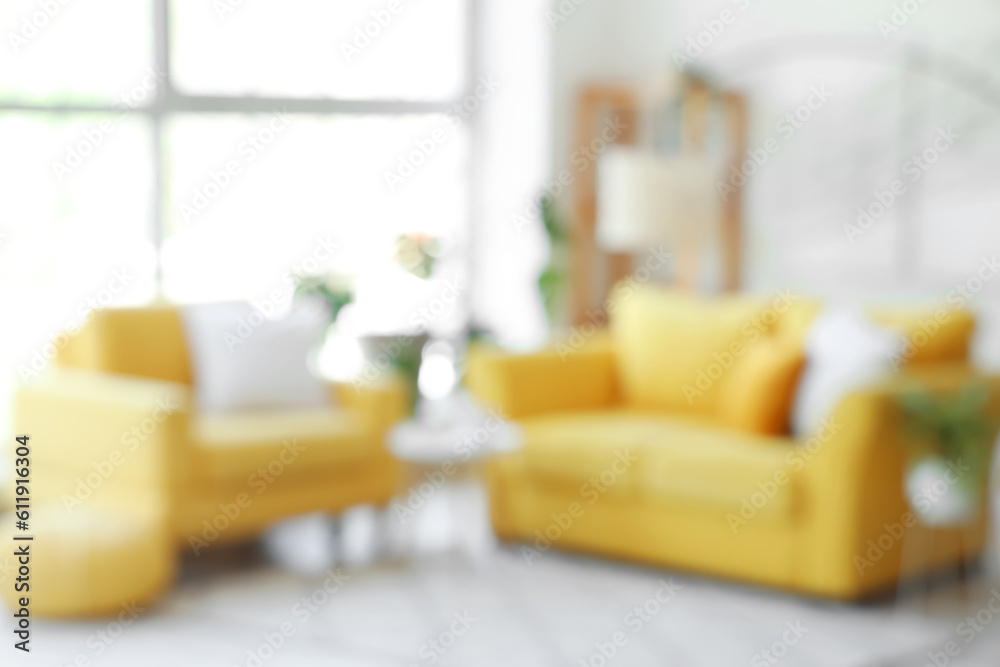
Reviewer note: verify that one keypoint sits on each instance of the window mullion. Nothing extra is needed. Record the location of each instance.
(161, 63)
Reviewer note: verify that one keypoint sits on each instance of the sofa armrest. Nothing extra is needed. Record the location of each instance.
(853, 471)
(561, 377)
(380, 404)
(99, 437)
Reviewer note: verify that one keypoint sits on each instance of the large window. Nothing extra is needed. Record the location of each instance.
(192, 150)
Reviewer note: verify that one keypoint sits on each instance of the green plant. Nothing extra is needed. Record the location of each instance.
(953, 427)
(333, 289)
(553, 278)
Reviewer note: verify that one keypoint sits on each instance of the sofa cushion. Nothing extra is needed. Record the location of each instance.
(235, 445)
(930, 336)
(794, 325)
(740, 477)
(600, 448)
(243, 364)
(845, 351)
(673, 346)
(756, 394)
(682, 461)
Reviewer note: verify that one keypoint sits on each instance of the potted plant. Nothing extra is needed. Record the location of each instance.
(334, 289)
(949, 439)
(553, 278)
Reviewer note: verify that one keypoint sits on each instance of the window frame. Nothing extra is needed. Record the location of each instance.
(168, 100)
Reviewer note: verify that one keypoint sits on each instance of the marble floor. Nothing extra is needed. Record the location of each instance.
(244, 608)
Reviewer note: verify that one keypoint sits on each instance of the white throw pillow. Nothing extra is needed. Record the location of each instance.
(241, 360)
(844, 351)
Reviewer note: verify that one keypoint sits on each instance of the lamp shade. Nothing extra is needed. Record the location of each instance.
(646, 199)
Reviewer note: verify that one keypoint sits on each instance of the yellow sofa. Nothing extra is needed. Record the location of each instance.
(622, 459)
(114, 433)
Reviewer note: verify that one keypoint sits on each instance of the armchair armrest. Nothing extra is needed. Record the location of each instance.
(561, 377)
(853, 471)
(102, 437)
(380, 404)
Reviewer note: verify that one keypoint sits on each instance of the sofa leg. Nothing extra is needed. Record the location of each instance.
(392, 539)
(335, 524)
(363, 534)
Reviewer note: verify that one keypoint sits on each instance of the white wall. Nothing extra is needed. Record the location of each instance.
(513, 131)
(932, 239)
(603, 40)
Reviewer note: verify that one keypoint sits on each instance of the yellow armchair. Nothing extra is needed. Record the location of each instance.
(115, 431)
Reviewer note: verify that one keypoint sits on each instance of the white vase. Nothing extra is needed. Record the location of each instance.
(941, 493)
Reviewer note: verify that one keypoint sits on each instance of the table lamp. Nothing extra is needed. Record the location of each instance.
(646, 199)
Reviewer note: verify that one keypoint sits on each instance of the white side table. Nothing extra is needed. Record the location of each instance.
(442, 496)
